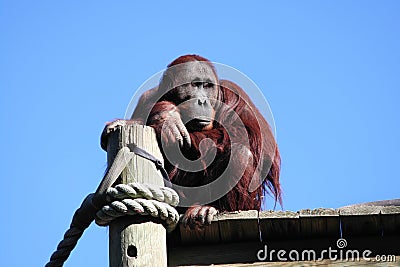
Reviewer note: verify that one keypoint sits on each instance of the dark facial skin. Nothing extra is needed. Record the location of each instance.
(194, 91)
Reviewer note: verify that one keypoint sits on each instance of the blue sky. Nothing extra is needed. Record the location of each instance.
(329, 70)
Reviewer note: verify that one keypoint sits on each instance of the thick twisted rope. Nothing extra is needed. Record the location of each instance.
(65, 247)
(140, 199)
(150, 200)
(123, 199)
(80, 221)
(139, 190)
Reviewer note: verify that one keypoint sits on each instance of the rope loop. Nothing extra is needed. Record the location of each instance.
(139, 190)
(123, 199)
(140, 199)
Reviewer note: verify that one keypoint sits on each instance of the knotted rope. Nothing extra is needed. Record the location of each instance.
(140, 199)
(109, 203)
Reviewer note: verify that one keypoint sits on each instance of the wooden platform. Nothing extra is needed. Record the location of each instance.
(234, 239)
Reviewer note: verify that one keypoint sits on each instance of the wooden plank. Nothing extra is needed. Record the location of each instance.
(390, 218)
(239, 226)
(270, 214)
(359, 210)
(245, 253)
(360, 221)
(319, 212)
(319, 223)
(362, 262)
(279, 224)
(226, 226)
(390, 210)
(221, 253)
(207, 235)
(136, 240)
(283, 231)
(305, 223)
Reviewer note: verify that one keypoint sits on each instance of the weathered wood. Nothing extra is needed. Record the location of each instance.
(362, 262)
(245, 253)
(316, 223)
(279, 224)
(226, 226)
(360, 220)
(207, 235)
(374, 229)
(220, 253)
(390, 210)
(136, 240)
(359, 210)
(390, 218)
(319, 222)
(240, 225)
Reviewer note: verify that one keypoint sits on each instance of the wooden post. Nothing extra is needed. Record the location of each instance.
(136, 240)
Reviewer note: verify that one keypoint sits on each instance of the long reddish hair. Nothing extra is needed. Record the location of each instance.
(261, 142)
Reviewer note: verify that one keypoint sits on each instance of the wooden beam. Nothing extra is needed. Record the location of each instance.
(319, 222)
(136, 240)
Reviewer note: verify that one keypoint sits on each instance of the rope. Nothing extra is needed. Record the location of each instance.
(148, 191)
(65, 247)
(140, 199)
(108, 203)
(81, 220)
